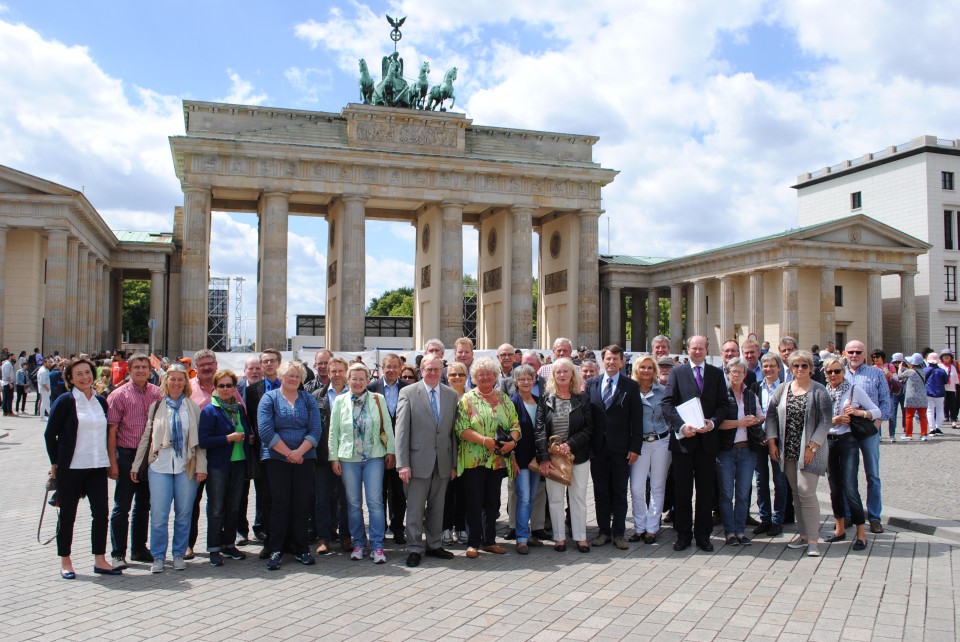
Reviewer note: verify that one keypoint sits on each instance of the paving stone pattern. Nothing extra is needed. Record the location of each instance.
(904, 585)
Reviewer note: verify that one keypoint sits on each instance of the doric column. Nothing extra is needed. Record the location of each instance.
(83, 294)
(614, 327)
(521, 286)
(98, 316)
(638, 329)
(157, 307)
(107, 324)
(791, 303)
(195, 272)
(354, 268)
(755, 313)
(676, 320)
(588, 296)
(874, 311)
(828, 309)
(55, 304)
(272, 277)
(699, 308)
(94, 286)
(653, 313)
(3, 281)
(451, 273)
(908, 313)
(72, 340)
(726, 309)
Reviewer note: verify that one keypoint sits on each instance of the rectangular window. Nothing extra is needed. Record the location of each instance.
(948, 229)
(952, 337)
(946, 180)
(838, 296)
(706, 305)
(855, 201)
(951, 282)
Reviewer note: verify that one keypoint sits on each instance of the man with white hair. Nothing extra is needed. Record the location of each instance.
(562, 347)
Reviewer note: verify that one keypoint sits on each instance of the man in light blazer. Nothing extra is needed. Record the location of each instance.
(426, 449)
(695, 454)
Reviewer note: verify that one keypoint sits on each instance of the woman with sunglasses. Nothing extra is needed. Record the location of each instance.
(844, 458)
(799, 416)
(408, 374)
(225, 434)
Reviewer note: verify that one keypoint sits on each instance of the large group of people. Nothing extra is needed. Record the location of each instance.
(427, 446)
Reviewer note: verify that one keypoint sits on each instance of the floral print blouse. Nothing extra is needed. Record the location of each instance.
(475, 413)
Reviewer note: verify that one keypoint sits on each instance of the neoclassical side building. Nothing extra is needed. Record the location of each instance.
(817, 283)
(62, 269)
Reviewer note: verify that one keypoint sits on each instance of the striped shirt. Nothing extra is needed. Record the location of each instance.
(128, 406)
(870, 379)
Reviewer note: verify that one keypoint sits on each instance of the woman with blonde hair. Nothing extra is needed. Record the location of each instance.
(176, 464)
(654, 460)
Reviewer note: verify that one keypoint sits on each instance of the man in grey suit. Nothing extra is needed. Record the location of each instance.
(426, 449)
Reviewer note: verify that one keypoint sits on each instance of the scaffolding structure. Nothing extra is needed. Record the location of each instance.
(470, 311)
(218, 314)
(238, 314)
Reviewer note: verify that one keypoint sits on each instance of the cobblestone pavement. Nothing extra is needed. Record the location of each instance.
(921, 476)
(903, 585)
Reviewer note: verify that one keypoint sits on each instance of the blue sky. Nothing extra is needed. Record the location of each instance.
(709, 110)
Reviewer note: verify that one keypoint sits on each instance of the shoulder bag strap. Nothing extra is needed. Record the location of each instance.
(383, 433)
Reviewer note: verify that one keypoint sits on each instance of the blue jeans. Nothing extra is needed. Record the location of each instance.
(166, 489)
(897, 402)
(763, 468)
(224, 488)
(126, 494)
(844, 464)
(526, 485)
(359, 478)
(870, 452)
(735, 473)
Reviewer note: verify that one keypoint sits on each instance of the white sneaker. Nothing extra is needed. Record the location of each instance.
(357, 554)
(157, 566)
(904, 438)
(813, 551)
(447, 538)
(378, 556)
(923, 438)
(179, 564)
(462, 537)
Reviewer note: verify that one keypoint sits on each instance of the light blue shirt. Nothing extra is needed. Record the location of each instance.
(606, 378)
(333, 394)
(392, 395)
(872, 381)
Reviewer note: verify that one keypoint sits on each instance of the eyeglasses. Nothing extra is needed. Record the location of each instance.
(505, 355)
(831, 372)
(407, 377)
(455, 374)
(226, 386)
(854, 351)
(272, 360)
(801, 366)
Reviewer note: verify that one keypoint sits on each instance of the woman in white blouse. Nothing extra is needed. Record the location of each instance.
(176, 465)
(76, 439)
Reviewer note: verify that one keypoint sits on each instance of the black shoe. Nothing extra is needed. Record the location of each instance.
(264, 553)
(859, 544)
(142, 556)
(260, 535)
(752, 521)
(763, 527)
(107, 571)
(189, 555)
(636, 537)
(304, 558)
(744, 541)
(835, 538)
(681, 545)
(274, 563)
(775, 529)
(875, 526)
(216, 559)
(732, 541)
(439, 553)
(541, 534)
(399, 539)
(706, 547)
(413, 560)
(242, 540)
(233, 553)
(511, 534)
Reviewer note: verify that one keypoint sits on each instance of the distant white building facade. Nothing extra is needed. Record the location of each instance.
(910, 187)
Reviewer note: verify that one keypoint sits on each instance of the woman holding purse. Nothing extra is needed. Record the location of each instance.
(567, 417)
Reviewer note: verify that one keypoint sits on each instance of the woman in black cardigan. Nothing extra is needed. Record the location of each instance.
(526, 482)
(76, 438)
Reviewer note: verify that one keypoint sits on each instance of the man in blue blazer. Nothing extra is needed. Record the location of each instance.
(390, 385)
(618, 436)
(695, 448)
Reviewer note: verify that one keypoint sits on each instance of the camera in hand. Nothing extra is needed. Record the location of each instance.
(502, 438)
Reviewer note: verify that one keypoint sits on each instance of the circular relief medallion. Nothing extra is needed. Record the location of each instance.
(333, 232)
(854, 234)
(425, 238)
(492, 241)
(555, 245)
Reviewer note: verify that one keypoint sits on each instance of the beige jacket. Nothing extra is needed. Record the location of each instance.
(158, 436)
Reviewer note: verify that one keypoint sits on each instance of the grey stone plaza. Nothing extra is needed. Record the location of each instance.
(903, 586)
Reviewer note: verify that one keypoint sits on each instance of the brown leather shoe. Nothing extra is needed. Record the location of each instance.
(472, 553)
(494, 548)
(346, 544)
(323, 548)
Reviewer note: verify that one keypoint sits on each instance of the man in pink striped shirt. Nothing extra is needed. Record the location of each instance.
(127, 419)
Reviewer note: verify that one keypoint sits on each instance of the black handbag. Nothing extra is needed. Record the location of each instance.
(861, 427)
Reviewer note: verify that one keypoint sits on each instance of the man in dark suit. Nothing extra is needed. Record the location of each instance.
(618, 429)
(426, 447)
(390, 385)
(694, 448)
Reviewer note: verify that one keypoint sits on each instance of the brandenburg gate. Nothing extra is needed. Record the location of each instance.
(434, 169)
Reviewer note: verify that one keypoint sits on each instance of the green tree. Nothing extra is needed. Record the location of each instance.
(392, 303)
(468, 279)
(136, 310)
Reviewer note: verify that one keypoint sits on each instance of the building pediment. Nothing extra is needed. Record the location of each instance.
(858, 230)
(14, 182)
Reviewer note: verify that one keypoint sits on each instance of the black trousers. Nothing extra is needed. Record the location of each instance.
(291, 490)
(611, 475)
(195, 519)
(481, 489)
(689, 469)
(8, 399)
(20, 405)
(71, 485)
(394, 500)
(454, 513)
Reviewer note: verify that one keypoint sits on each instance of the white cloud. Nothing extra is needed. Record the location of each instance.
(309, 83)
(242, 91)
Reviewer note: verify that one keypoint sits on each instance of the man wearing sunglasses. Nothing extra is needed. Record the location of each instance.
(871, 380)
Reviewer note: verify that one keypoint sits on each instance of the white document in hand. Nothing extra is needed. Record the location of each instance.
(691, 412)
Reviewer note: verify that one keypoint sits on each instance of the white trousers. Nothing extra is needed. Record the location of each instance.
(653, 462)
(556, 493)
(44, 403)
(934, 413)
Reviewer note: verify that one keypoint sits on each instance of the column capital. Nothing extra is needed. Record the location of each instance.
(196, 189)
(591, 213)
(57, 231)
(269, 193)
(158, 270)
(353, 198)
(522, 208)
(908, 273)
(452, 202)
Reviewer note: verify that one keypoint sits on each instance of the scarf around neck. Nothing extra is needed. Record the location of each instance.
(176, 427)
